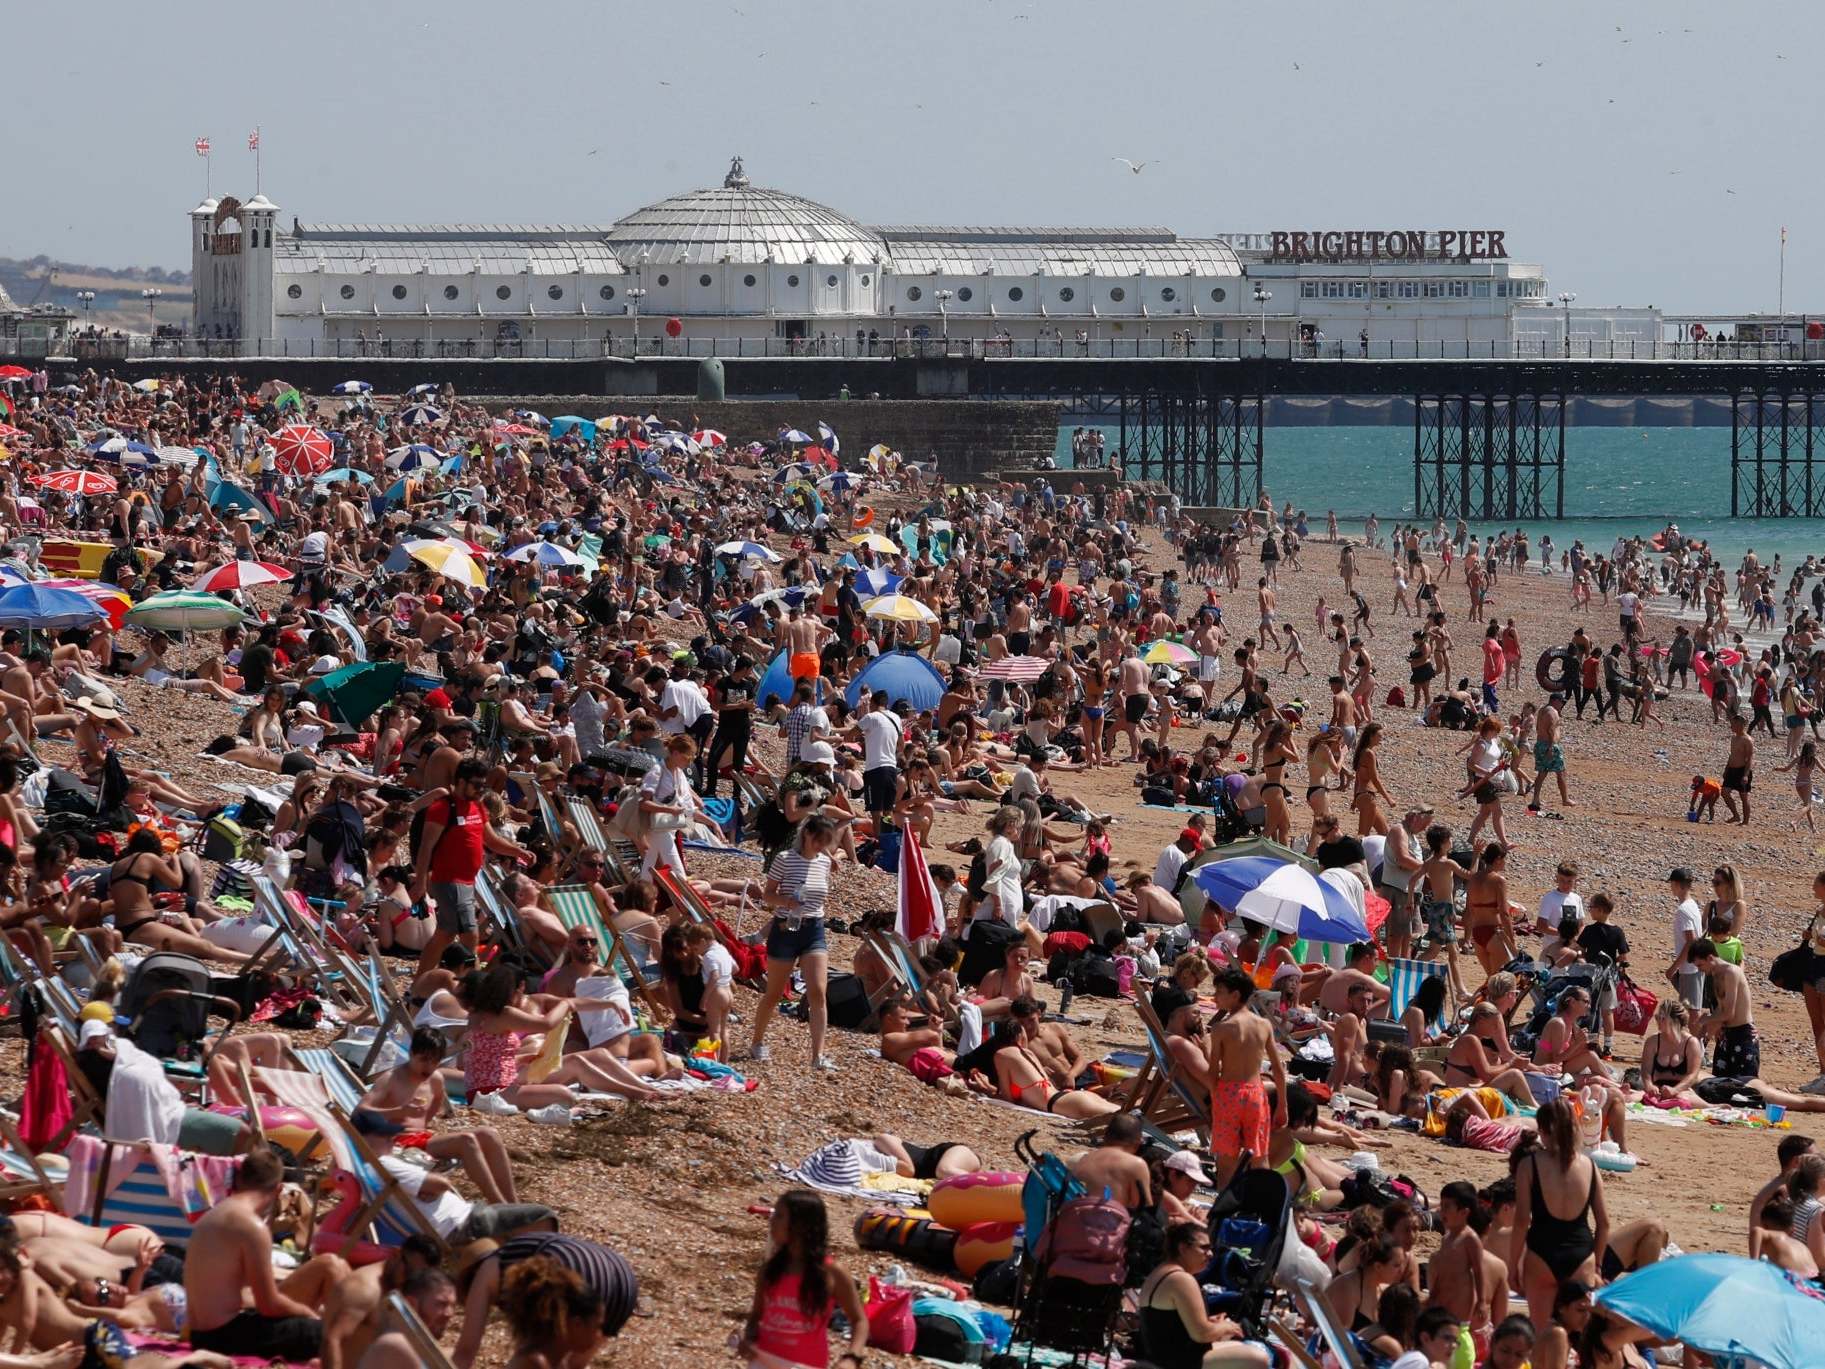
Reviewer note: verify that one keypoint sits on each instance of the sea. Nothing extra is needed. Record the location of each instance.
(1618, 482)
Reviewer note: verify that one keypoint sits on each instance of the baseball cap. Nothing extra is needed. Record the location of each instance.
(1192, 834)
(1187, 1163)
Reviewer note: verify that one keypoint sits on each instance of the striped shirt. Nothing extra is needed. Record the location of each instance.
(804, 878)
(603, 1272)
(799, 723)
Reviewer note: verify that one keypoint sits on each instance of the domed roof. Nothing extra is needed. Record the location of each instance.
(742, 223)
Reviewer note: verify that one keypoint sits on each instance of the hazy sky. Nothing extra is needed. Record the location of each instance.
(1610, 156)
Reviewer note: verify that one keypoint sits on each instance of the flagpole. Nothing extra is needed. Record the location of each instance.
(1781, 289)
(256, 159)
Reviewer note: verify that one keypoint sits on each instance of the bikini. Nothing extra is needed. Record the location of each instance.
(1272, 774)
(1562, 1243)
(1664, 1072)
(127, 929)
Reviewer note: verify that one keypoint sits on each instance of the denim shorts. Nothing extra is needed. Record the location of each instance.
(786, 943)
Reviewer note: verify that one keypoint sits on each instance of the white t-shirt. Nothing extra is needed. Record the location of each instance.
(599, 1028)
(1413, 1359)
(586, 715)
(1166, 868)
(688, 699)
(1555, 905)
(1628, 603)
(1025, 784)
(880, 739)
(447, 1212)
(1687, 918)
(718, 965)
(314, 547)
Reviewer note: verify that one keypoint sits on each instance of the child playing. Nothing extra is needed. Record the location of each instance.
(797, 1290)
(1804, 766)
(1436, 887)
(1705, 793)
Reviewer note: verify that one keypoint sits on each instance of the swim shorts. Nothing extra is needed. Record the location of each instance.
(803, 665)
(1549, 758)
(1739, 1053)
(248, 1333)
(1134, 707)
(1736, 778)
(1441, 920)
(1239, 1117)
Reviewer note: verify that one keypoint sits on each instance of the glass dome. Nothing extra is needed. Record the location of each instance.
(741, 223)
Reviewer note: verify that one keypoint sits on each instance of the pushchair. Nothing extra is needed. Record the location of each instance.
(1068, 1295)
(1598, 977)
(1249, 1223)
(166, 1005)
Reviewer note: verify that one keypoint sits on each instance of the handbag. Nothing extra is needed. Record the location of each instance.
(1793, 970)
(1634, 1007)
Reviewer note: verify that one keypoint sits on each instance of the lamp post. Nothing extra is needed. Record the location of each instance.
(1565, 337)
(636, 294)
(85, 298)
(1262, 296)
(151, 296)
(944, 297)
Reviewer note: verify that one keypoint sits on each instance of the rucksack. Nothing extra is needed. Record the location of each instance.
(1087, 1242)
(948, 1333)
(1097, 976)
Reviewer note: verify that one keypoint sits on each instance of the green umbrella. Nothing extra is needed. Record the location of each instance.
(185, 610)
(354, 692)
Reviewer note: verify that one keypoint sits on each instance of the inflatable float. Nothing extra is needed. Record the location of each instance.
(1555, 671)
(983, 1243)
(968, 1199)
(289, 1127)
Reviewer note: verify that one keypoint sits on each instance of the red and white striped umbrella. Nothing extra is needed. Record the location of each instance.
(1019, 669)
(303, 450)
(240, 575)
(8, 432)
(76, 482)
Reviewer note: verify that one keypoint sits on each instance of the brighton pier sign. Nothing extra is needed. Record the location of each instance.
(1413, 244)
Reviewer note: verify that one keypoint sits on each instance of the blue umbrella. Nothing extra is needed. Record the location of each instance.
(906, 678)
(453, 465)
(414, 456)
(428, 388)
(342, 473)
(776, 683)
(532, 416)
(38, 606)
(1283, 897)
(839, 482)
(746, 549)
(420, 413)
(584, 428)
(797, 470)
(827, 438)
(872, 584)
(792, 596)
(1725, 1305)
(351, 387)
(797, 438)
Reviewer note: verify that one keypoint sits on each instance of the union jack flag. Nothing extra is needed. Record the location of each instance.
(202, 147)
(253, 141)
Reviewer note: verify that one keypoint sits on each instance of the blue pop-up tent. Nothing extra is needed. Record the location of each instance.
(904, 676)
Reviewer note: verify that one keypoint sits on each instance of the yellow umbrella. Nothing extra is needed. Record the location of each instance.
(875, 541)
(899, 608)
(453, 563)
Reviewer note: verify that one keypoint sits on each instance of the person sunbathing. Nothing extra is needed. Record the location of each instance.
(138, 920)
(499, 1024)
(1475, 1060)
(413, 1095)
(1021, 1078)
(613, 1030)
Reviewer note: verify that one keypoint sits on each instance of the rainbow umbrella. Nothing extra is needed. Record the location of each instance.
(1169, 653)
(899, 608)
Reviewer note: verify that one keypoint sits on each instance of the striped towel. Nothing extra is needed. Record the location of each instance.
(1404, 979)
(155, 1186)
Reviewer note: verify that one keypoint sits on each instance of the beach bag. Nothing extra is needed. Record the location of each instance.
(224, 839)
(945, 1332)
(1793, 970)
(1097, 976)
(1154, 796)
(847, 1000)
(1634, 1007)
(890, 1317)
(1088, 1242)
(887, 851)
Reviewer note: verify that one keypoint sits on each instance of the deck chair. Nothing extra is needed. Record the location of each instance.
(1158, 1090)
(696, 910)
(386, 1209)
(20, 1172)
(307, 1093)
(296, 938)
(498, 908)
(392, 1019)
(118, 1182)
(576, 907)
(424, 1344)
(589, 826)
(339, 1081)
(897, 954)
(1328, 1336)
(1404, 979)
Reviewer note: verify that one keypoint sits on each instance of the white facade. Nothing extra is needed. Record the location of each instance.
(742, 262)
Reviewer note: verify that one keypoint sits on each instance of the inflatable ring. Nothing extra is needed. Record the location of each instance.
(983, 1244)
(892, 1232)
(288, 1126)
(966, 1199)
(331, 1238)
(864, 518)
(1568, 671)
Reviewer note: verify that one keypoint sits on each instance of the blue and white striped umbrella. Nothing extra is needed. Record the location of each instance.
(827, 438)
(123, 451)
(342, 473)
(792, 596)
(548, 554)
(351, 387)
(531, 416)
(839, 482)
(428, 388)
(872, 584)
(1284, 897)
(797, 438)
(796, 470)
(420, 413)
(745, 550)
(414, 456)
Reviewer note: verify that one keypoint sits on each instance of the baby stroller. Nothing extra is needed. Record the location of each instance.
(166, 1005)
(1074, 1263)
(1249, 1223)
(1598, 977)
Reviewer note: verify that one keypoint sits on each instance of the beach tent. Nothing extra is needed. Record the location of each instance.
(907, 678)
(776, 683)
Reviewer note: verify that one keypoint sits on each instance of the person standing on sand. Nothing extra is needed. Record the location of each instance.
(1135, 697)
(1549, 755)
(1739, 769)
(1688, 928)
(1239, 1114)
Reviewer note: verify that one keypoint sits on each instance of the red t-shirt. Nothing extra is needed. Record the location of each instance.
(1493, 660)
(458, 857)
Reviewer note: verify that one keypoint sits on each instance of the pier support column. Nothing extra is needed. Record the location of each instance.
(1489, 458)
(1205, 447)
(1774, 442)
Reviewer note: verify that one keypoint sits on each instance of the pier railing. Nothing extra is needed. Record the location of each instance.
(1125, 347)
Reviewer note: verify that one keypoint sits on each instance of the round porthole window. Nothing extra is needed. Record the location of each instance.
(1168, 294)
(503, 292)
(399, 292)
(864, 280)
(703, 280)
(1218, 295)
(348, 292)
(1067, 294)
(830, 281)
(966, 293)
(450, 292)
(294, 292)
(1118, 294)
(555, 292)
(914, 292)
(665, 280)
(748, 281)
(607, 292)
(1016, 293)
(792, 282)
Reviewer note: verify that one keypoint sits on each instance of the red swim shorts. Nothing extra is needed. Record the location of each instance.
(1239, 1118)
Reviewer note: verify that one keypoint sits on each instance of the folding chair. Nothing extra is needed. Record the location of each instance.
(1404, 979)
(339, 1081)
(424, 1344)
(1330, 1337)
(575, 906)
(498, 908)
(392, 1019)
(1158, 1077)
(589, 826)
(386, 1209)
(293, 936)
(20, 1172)
(696, 910)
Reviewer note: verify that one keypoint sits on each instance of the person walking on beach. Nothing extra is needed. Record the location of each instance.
(1739, 770)
(1549, 755)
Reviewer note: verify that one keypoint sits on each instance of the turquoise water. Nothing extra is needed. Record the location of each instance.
(1618, 481)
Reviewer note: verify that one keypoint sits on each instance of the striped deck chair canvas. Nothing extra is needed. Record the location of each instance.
(492, 898)
(1404, 979)
(344, 1089)
(1185, 1109)
(115, 1183)
(424, 1344)
(576, 907)
(589, 826)
(696, 910)
(311, 1096)
(386, 1208)
(20, 1172)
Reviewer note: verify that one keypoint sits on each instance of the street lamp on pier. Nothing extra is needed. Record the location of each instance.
(1262, 296)
(944, 297)
(635, 295)
(1565, 302)
(85, 298)
(151, 296)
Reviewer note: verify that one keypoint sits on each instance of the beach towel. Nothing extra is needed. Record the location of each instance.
(156, 1186)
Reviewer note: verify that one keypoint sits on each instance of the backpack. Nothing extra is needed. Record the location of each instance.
(948, 1333)
(1087, 1242)
(1097, 976)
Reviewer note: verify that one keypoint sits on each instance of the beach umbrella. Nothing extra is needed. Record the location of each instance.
(792, 596)
(8, 432)
(839, 482)
(904, 676)
(1284, 897)
(184, 610)
(173, 455)
(872, 584)
(453, 563)
(797, 438)
(548, 554)
(1191, 898)
(795, 470)
(240, 575)
(515, 429)
(47, 608)
(351, 387)
(11, 372)
(146, 387)
(272, 389)
(1015, 669)
(757, 550)
(899, 609)
(301, 449)
(532, 416)
(76, 482)
(1169, 653)
(352, 693)
(342, 473)
(709, 437)
(875, 541)
(1725, 1305)
(112, 599)
(428, 387)
(827, 438)
(414, 456)
(564, 424)
(414, 414)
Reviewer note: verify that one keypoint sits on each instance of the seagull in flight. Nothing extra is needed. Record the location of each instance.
(1135, 167)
